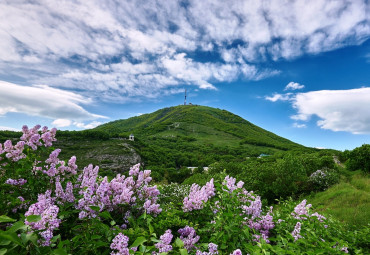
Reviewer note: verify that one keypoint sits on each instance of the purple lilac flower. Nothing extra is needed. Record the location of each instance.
(320, 217)
(296, 232)
(120, 190)
(189, 237)
(212, 250)
(56, 167)
(48, 211)
(120, 243)
(301, 210)
(32, 136)
(345, 249)
(64, 196)
(18, 182)
(236, 252)
(164, 244)
(198, 196)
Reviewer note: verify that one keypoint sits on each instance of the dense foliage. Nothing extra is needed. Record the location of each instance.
(50, 206)
(359, 158)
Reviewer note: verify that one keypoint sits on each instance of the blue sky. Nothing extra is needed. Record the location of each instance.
(301, 71)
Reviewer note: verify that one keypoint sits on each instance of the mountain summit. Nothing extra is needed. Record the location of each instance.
(198, 125)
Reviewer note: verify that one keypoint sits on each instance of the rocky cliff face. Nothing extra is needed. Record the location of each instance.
(117, 155)
(122, 159)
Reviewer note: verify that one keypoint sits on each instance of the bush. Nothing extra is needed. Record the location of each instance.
(323, 179)
(359, 159)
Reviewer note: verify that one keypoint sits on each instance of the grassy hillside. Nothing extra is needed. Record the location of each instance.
(348, 201)
(203, 125)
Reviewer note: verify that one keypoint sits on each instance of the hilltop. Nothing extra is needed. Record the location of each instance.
(170, 139)
(201, 124)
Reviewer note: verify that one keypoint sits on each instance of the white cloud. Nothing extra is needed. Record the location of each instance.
(294, 86)
(43, 101)
(338, 110)
(9, 128)
(61, 123)
(87, 126)
(279, 97)
(135, 50)
(298, 125)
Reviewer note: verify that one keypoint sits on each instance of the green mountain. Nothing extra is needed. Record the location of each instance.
(169, 140)
(198, 125)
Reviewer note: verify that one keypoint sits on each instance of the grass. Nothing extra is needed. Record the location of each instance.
(347, 201)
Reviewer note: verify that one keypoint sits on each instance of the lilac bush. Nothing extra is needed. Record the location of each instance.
(48, 211)
(165, 244)
(111, 212)
(132, 191)
(198, 196)
(120, 243)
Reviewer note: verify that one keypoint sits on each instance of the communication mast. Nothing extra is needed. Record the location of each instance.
(185, 98)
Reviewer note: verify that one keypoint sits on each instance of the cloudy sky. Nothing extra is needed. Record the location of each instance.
(300, 69)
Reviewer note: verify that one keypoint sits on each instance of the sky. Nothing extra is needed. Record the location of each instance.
(300, 69)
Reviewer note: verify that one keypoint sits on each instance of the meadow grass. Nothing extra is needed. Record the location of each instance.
(348, 201)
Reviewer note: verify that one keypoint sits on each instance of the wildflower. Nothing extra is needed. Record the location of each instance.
(198, 196)
(164, 244)
(120, 243)
(296, 232)
(48, 211)
(189, 237)
(236, 252)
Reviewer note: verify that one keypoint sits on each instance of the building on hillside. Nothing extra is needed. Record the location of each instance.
(131, 137)
(263, 155)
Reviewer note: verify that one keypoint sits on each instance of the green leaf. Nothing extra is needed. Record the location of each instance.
(4, 218)
(17, 226)
(142, 248)
(179, 243)
(106, 215)
(155, 240)
(151, 229)
(95, 208)
(12, 237)
(60, 251)
(95, 237)
(112, 223)
(3, 251)
(140, 240)
(183, 252)
(4, 242)
(33, 218)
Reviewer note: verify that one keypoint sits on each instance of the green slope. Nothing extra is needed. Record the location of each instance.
(203, 125)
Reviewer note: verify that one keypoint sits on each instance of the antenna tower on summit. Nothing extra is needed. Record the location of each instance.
(185, 98)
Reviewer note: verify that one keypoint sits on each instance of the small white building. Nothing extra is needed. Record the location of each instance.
(131, 137)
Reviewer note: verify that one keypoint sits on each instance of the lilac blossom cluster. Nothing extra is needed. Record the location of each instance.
(67, 195)
(33, 138)
(48, 211)
(257, 221)
(133, 190)
(236, 252)
(14, 153)
(301, 212)
(165, 240)
(189, 237)
(229, 182)
(198, 196)
(252, 208)
(17, 182)
(212, 250)
(56, 168)
(296, 232)
(120, 243)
